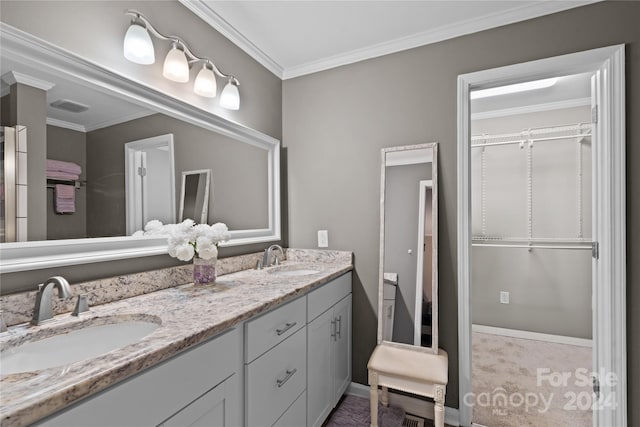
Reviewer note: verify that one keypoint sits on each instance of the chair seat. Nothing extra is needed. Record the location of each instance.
(411, 364)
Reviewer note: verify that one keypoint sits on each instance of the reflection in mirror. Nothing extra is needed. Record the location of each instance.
(408, 294)
(149, 181)
(101, 112)
(194, 199)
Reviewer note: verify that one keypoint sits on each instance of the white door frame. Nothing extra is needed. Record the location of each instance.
(130, 149)
(609, 271)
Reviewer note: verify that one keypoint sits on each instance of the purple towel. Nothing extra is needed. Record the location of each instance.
(65, 199)
(62, 175)
(61, 166)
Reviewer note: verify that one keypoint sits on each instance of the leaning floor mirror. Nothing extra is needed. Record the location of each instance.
(408, 282)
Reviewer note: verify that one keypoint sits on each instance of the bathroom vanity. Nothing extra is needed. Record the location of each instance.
(267, 347)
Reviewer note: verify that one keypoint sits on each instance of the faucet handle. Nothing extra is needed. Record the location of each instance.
(82, 305)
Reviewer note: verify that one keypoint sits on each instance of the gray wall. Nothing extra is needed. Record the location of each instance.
(70, 146)
(238, 194)
(336, 121)
(402, 185)
(550, 290)
(28, 107)
(95, 30)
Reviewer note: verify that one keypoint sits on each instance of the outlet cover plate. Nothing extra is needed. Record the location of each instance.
(323, 238)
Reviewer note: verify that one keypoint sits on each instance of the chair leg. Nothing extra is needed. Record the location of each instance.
(439, 406)
(384, 397)
(373, 380)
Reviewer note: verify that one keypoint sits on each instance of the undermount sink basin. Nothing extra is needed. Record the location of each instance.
(294, 271)
(87, 341)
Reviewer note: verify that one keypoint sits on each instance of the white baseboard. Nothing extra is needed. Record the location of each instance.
(560, 339)
(410, 405)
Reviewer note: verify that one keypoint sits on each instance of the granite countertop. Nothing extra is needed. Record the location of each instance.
(188, 315)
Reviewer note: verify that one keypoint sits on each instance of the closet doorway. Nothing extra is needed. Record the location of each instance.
(541, 242)
(531, 251)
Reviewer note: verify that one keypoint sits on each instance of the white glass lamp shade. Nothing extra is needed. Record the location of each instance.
(205, 84)
(138, 46)
(176, 66)
(230, 97)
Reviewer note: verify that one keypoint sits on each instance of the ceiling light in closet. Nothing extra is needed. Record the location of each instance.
(138, 48)
(515, 88)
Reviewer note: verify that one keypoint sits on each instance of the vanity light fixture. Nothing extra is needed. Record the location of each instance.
(176, 65)
(230, 97)
(205, 84)
(138, 48)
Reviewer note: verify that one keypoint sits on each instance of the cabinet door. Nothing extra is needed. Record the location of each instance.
(216, 408)
(319, 367)
(342, 348)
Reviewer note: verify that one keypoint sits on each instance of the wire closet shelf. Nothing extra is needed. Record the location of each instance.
(579, 133)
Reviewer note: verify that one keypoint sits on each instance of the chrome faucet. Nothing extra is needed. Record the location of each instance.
(266, 259)
(43, 310)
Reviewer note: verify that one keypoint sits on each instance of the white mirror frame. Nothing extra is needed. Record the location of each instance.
(403, 156)
(25, 48)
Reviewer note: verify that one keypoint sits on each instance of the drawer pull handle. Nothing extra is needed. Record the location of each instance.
(339, 328)
(286, 327)
(287, 377)
(334, 333)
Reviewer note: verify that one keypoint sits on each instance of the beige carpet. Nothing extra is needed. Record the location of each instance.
(508, 390)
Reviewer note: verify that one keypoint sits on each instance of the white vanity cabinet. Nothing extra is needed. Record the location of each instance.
(276, 366)
(200, 386)
(287, 367)
(328, 347)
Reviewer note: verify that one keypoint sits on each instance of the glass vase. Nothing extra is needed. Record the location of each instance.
(204, 271)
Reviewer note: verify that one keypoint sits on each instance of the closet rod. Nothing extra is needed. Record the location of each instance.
(502, 245)
(522, 141)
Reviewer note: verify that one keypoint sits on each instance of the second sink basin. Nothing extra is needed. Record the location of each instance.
(294, 270)
(87, 341)
(301, 272)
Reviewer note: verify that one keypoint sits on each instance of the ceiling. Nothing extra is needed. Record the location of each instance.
(104, 108)
(294, 38)
(302, 37)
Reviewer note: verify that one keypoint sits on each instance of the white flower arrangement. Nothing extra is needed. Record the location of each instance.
(188, 239)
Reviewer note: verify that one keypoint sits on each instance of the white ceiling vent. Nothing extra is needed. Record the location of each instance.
(69, 105)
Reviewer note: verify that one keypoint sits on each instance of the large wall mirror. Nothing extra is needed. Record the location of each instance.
(81, 113)
(408, 284)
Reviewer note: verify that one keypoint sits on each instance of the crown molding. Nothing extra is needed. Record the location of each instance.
(447, 32)
(523, 13)
(535, 108)
(67, 125)
(118, 120)
(13, 77)
(208, 15)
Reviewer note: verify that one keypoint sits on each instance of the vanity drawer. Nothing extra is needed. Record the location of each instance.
(275, 380)
(325, 297)
(264, 332)
(296, 415)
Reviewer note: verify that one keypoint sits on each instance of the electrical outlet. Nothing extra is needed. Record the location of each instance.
(323, 238)
(504, 297)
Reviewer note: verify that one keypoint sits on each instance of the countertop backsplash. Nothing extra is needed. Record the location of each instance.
(18, 308)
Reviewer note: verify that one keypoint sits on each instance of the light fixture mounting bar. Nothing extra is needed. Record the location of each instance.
(193, 58)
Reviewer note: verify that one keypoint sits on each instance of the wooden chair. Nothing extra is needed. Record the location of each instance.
(410, 370)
